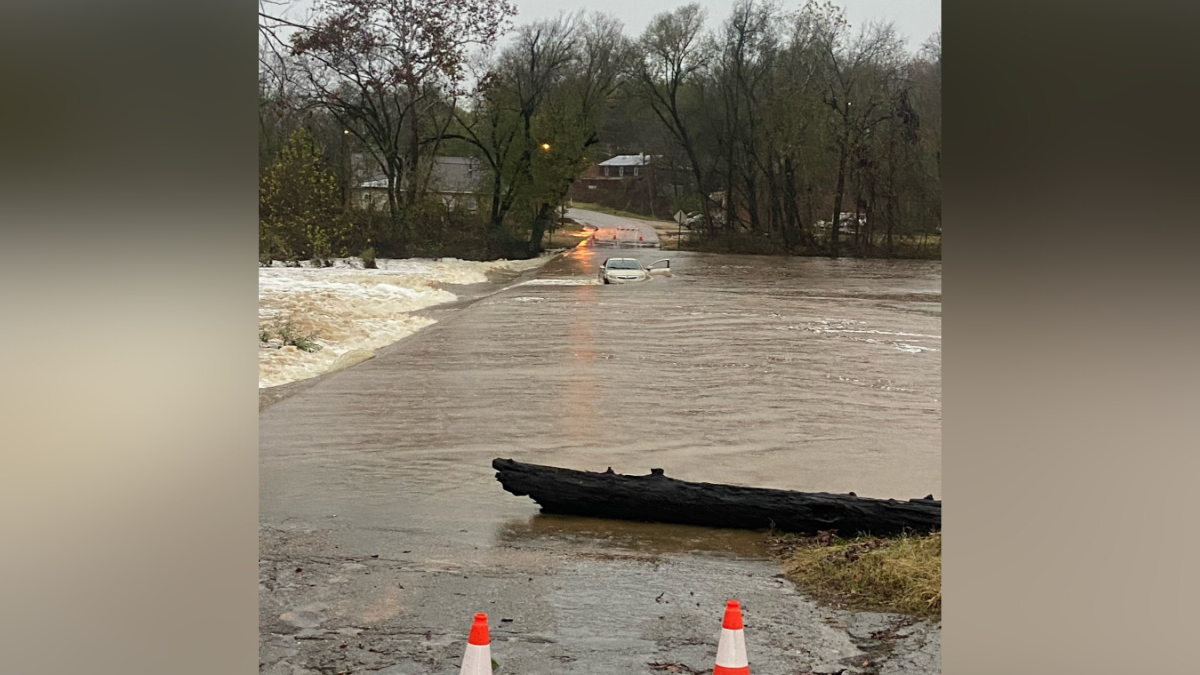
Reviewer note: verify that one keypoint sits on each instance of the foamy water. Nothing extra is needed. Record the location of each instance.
(350, 308)
(587, 281)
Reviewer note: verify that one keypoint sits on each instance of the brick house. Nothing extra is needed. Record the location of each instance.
(640, 183)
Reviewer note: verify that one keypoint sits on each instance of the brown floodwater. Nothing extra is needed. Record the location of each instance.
(805, 374)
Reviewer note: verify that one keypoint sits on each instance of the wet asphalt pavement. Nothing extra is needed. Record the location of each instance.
(616, 231)
(383, 529)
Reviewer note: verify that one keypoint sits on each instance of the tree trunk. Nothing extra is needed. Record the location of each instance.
(729, 211)
(775, 208)
(791, 226)
(835, 224)
(704, 205)
(858, 232)
(752, 201)
(653, 186)
(656, 498)
(891, 218)
(538, 230)
(395, 211)
(869, 215)
(806, 231)
(893, 202)
(347, 174)
(414, 157)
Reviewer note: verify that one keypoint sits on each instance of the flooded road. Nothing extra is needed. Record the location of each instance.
(616, 231)
(384, 529)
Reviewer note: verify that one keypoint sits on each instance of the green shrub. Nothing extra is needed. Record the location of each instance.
(368, 258)
(299, 208)
(289, 334)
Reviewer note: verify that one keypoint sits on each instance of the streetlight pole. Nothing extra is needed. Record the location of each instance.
(546, 149)
(348, 169)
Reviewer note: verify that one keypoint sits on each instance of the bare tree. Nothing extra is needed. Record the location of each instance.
(858, 91)
(746, 50)
(603, 55)
(501, 122)
(380, 66)
(779, 112)
(671, 55)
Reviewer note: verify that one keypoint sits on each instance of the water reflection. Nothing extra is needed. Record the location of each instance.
(574, 533)
(582, 386)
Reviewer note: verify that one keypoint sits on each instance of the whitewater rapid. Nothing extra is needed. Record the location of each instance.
(353, 311)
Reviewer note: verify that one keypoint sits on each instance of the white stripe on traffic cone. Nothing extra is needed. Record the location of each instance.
(731, 649)
(478, 659)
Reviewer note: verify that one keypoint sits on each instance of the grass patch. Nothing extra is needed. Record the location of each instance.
(566, 235)
(900, 574)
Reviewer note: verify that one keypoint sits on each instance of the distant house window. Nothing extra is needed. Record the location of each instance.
(636, 171)
(622, 171)
(606, 171)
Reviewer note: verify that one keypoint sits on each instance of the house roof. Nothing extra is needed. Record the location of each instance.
(627, 160)
(451, 175)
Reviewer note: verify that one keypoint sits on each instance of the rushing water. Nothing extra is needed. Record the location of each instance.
(804, 374)
(348, 308)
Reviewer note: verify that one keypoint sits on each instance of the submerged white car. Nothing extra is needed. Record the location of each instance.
(623, 270)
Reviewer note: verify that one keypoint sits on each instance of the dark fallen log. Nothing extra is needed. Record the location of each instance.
(657, 498)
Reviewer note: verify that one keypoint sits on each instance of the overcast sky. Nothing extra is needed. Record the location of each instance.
(915, 20)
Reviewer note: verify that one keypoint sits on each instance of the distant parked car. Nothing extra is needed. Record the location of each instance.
(624, 270)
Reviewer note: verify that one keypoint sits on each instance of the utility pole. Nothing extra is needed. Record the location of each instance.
(564, 211)
(347, 171)
(649, 164)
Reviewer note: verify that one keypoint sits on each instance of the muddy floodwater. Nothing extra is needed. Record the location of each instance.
(384, 529)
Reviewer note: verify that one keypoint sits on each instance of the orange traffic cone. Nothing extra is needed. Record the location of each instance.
(478, 659)
(731, 649)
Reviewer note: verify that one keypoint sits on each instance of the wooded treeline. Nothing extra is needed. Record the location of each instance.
(768, 125)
